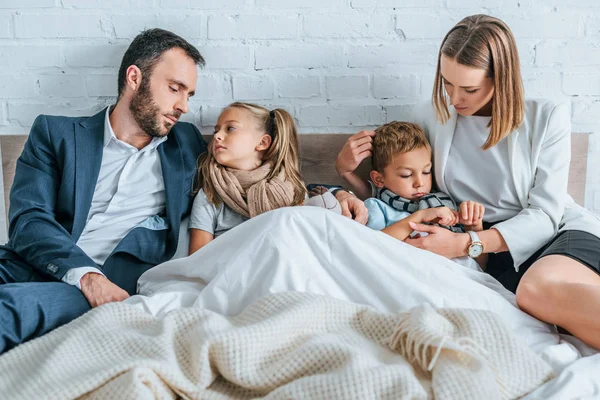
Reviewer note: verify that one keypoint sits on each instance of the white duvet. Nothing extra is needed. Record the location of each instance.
(308, 249)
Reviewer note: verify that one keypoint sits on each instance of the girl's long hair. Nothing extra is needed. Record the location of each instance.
(283, 153)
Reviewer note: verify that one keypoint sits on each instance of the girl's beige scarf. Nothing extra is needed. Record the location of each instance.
(249, 193)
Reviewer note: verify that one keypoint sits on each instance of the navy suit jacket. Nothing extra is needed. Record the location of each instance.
(52, 193)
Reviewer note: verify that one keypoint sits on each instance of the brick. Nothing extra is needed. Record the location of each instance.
(597, 200)
(59, 26)
(387, 55)
(395, 4)
(592, 25)
(493, 4)
(204, 4)
(291, 4)
(25, 113)
(253, 27)
(585, 112)
(347, 87)
(576, 84)
(6, 25)
(541, 84)
(27, 4)
(100, 55)
(305, 56)
(253, 88)
(424, 25)
(187, 26)
(209, 116)
(100, 85)
(87, 4)
(348, 26)
(568, 54)
(15, 87)
(342, 115)
(398, 112)
(548, 25)
(62, 85)
(227, 57)
(213, 87)
(23, 55)
(298, 86)
(389, 87)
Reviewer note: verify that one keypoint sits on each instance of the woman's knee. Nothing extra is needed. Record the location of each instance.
(537, 289)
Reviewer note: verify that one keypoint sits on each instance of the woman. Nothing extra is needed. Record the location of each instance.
(512, 155)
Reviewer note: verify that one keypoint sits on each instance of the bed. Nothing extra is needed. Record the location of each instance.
(315, 306)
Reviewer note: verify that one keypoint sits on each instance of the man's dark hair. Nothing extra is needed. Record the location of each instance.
(148, 47)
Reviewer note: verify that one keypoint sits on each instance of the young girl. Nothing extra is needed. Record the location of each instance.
(251, 167)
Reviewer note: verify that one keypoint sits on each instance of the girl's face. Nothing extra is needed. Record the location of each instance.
(238, 141)
(470, 89)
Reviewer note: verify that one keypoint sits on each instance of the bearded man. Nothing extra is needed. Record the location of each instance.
(96, 201)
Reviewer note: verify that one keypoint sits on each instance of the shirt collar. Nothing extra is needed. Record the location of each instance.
(109, 135)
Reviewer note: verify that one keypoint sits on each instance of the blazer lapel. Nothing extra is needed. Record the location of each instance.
(171, 159)
(89, 144)
(441, 145)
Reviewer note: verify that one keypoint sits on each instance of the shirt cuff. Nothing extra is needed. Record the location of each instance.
(73, 277)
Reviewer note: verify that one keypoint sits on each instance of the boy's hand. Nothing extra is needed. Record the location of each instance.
(471, 214)
(440, 215)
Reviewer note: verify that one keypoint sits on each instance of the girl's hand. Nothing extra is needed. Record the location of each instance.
(471, 213)
(440, 215)
(356, 149)
(440, 241)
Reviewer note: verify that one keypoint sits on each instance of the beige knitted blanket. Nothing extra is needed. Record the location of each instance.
(285, 346)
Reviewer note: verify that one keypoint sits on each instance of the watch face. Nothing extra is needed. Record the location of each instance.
(475, 250)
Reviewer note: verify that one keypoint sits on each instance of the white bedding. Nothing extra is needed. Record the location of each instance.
(311, 250)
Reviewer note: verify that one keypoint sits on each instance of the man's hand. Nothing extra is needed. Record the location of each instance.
(352, 207)
(98, 290)
(356, 149)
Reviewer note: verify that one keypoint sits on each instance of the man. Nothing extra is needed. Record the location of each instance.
(96, 201)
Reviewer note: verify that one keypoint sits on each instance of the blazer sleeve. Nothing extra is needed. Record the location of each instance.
(34, 233)
(537, 223)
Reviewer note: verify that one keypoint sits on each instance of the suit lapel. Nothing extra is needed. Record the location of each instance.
(442, 143)
(171, 159)
(89, 143)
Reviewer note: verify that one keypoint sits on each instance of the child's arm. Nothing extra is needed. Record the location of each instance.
(199, 239)
(401, 229)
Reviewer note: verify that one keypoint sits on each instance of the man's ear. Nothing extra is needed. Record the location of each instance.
(133, 77)
(377, 178)
(264, 144)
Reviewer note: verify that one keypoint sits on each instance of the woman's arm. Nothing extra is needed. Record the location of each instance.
(199, 239)
(355, 150)
(402, 229)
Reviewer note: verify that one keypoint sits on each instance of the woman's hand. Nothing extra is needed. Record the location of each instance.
(440, 241)
(356, 149)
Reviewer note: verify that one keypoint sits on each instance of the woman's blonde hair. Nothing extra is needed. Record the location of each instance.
(283, 153)
(485, 42)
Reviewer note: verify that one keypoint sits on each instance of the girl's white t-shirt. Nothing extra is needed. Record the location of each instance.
(480, 175)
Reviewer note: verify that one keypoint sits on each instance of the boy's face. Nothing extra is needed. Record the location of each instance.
(408, 175)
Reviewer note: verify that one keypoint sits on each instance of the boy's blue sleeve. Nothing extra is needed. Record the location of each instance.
(376, 214)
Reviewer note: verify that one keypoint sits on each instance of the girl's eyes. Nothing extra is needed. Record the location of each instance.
(426, 172)
(471, 91)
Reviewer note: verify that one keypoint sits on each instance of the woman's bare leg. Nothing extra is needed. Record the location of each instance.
(562, 291)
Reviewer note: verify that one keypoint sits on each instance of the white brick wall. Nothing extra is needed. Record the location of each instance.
(336, 65)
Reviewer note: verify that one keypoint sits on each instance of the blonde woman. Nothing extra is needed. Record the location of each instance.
(511, 155)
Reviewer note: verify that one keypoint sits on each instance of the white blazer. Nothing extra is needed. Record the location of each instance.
(539, 155)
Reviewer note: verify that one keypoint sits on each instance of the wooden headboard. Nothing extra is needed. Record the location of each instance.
(318, 153)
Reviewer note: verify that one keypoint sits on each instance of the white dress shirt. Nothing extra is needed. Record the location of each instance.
(129, 190)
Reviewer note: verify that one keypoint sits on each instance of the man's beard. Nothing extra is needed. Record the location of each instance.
(147, 113)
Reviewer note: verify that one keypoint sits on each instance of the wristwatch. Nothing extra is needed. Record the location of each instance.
(476, 247)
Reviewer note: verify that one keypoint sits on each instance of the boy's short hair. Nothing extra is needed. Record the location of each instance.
(394, 138)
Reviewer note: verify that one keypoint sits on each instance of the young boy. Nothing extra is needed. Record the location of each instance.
(401, 183)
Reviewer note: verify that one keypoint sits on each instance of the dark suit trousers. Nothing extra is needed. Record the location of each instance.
(31, 305)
